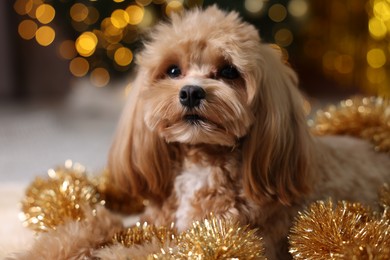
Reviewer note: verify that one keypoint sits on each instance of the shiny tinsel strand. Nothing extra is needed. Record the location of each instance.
(144, 233)
(50, 202)
(325, 231)
(215, 238)
(384, 200)
(371, 241)
(367, 118)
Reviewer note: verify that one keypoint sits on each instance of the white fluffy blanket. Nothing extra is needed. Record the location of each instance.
(13, 236)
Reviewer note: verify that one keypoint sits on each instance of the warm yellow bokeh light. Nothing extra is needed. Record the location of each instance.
(112, 39)
(45, 35)
(284, 37)
(119, 1)
(136, 14)
(123, 56)
(79, 12)
(93, 15)
(382, 10)
(148, 19)
(173, 7)
(27, 29)
(376, 58)
(100, 77)
(376, 76)
(277, 13)
(67, 50)
(377, 28)
(111, 33)
(298, 8)
(45, 13)
(254, 6)
(32, 7)
(105, 23)
(22, 7)
(86, 44)
(112, 48)
(79, 67)
(120, 18)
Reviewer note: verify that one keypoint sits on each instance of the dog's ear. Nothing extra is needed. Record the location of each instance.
(276, 152)
(139, 160)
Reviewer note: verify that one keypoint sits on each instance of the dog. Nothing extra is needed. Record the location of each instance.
(214, 123)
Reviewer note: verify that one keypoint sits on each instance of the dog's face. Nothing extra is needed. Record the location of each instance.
(196, 90)
(206, 78)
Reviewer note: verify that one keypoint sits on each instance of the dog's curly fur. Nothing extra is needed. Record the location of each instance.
(244, 151)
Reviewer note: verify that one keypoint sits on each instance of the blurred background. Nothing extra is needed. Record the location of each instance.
(65, 65)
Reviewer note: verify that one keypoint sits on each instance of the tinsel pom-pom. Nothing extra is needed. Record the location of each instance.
(62, 197)
(215, 238)
(342, 231)
(367, 118)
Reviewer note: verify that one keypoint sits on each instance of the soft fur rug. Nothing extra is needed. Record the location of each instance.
(13, 236)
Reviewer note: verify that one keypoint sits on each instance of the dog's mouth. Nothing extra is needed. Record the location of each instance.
(194, 119)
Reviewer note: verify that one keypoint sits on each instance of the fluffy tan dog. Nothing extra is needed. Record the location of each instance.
(214, 123)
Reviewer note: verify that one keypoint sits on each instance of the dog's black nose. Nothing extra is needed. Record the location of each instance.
(190, 96)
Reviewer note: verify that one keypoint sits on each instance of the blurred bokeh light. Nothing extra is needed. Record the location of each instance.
(346, 43)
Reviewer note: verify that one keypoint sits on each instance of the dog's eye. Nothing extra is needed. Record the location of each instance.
(229, 72)
(173, 71)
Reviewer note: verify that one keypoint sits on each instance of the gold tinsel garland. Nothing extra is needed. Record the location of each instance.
(367, 118)
(209, 239)
(144, 233)
(324, 231)
(68, 192)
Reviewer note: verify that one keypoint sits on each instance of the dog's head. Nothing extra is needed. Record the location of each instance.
(206, 78)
